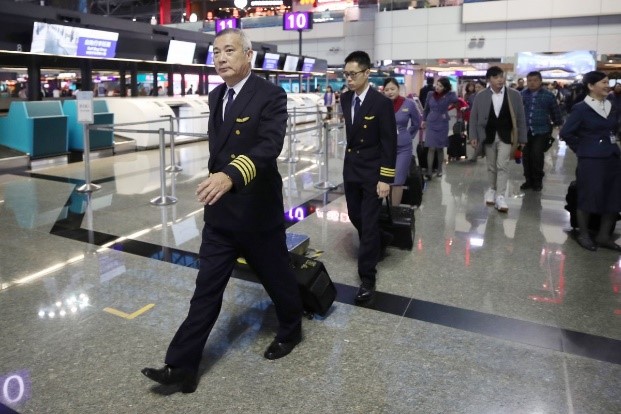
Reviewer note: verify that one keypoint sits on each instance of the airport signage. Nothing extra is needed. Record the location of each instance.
(297, 21)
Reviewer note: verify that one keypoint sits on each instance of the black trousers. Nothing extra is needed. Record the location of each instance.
(363, 207)
(266, 252)
(533, 157)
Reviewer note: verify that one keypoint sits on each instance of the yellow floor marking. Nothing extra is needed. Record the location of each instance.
(129, 315)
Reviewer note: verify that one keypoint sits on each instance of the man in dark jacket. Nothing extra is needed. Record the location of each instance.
(369, 165)
(244, 212)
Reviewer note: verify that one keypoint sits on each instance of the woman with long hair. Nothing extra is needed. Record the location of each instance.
(590, 131)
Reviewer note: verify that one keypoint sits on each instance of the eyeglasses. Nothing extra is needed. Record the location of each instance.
(352, 75)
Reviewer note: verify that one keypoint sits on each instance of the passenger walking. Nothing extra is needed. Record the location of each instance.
(590, 131)
(329, 100)
(542, 113)
(436, 122)
(408, 123)
(497, 122)
(247, 123)
(424, 91)
(369, 165)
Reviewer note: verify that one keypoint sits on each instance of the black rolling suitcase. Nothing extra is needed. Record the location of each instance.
(316, 288)
(421, 153)
(414, 186)
(457, 146)
(399, 222)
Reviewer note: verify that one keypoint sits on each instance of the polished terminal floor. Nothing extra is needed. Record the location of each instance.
(489, 313)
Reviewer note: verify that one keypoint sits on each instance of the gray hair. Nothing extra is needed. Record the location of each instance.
(246, 43)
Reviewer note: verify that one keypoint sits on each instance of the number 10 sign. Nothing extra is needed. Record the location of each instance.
(297, 21)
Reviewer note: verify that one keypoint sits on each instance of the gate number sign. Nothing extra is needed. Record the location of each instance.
(297, 21)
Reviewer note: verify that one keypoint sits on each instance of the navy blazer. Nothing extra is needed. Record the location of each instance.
(371, 139)
(588, 133)
(245, 146)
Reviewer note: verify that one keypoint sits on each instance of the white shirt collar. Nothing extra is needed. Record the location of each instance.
(239, 85)
(362, 95)
(602, 108)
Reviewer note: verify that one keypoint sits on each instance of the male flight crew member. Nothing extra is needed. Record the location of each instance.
(369, 166)
(497, 117)
(542, 111)
(244, 212)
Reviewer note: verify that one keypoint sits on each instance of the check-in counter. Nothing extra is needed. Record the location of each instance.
(311, 104)
(151, 111)
(296, 107)
(36, 128)
(189, 107)
(98, 139)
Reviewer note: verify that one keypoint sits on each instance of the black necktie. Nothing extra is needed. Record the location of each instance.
(229, 101)
(356, 108)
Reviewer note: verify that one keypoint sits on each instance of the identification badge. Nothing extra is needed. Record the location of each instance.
(613, 138)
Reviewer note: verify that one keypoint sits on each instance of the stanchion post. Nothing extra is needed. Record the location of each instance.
(173, 167)
(290, 141)
(295, 125)
(325, 184)
(85, 117)
(319, 133)
(163, 199)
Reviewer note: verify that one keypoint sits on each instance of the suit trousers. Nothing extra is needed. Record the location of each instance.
(497, 155)
(266, 253)
(533, 158)
(363, 207)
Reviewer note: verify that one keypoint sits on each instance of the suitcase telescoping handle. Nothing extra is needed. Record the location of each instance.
(388, 204)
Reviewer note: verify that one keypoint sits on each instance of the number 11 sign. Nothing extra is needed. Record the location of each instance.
(297, 21)
(230, 23)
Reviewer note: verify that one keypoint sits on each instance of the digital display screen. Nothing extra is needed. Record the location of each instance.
(308, 64)
(291, 63)
(209, 60)
(270, 61)
(73, 41)
(297, 21)
(556, 65)
(180, 52)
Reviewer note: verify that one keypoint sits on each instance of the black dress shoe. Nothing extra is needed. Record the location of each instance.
(173, 376)
(610, 245)
(587, 243)
(365, 293)
(279, 349)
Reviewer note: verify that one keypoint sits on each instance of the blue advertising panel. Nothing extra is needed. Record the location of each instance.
(73, 41)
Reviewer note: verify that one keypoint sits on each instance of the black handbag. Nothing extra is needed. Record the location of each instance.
(399, 222)
(549, 143)
(316, 288)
